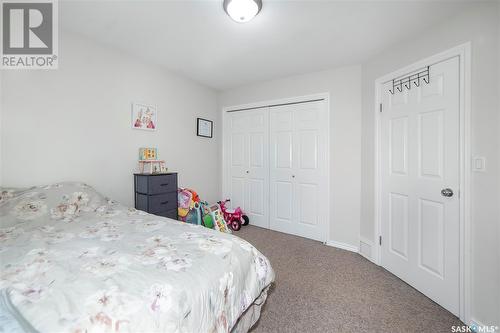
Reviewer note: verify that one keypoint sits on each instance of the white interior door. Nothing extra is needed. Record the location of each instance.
(298, 173)
(248, 156)
(419, 159)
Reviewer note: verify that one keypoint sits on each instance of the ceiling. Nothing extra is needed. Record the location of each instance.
(198, 40)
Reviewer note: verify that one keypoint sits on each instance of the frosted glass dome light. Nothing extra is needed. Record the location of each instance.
(242, 10)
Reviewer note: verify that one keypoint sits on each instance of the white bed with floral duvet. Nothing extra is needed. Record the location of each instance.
(73, 261)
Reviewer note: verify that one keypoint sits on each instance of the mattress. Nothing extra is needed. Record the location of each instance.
(74, 261)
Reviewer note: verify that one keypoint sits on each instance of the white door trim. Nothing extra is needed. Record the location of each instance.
(262, 104)
(463, 51)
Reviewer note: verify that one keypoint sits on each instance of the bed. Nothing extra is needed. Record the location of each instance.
(72, 260)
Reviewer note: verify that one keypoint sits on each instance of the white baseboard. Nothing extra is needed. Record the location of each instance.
(366, 248)
(342, 246)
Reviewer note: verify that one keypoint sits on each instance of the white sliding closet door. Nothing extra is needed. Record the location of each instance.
(298, 169)
(248, 156)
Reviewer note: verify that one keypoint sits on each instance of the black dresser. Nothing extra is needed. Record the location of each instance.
(156, 193)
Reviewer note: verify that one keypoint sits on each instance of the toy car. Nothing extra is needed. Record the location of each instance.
(234, 218)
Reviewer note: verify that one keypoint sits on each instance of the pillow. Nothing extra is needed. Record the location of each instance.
(61, 201)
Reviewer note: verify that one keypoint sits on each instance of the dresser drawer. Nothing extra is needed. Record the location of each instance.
(162, 184)
(141, 202)
(155, 184)
(156, 194)
(169, 213)
(162, 202)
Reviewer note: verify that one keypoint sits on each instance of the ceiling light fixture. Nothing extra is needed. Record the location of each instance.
(242, 11)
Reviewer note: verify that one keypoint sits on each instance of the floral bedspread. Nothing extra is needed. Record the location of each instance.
(73, 261)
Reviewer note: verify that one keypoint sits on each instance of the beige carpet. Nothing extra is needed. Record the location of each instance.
(323, 289)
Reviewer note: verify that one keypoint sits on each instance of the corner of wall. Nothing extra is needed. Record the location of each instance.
(1, 131)
(219, 132)
(498, 102)
(366, 248)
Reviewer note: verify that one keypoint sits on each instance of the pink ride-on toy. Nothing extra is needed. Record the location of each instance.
(234, 218)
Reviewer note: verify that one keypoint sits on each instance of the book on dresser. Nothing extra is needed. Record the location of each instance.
(156, 193)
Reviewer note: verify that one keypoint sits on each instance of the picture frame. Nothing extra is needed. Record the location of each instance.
(204, 128)
(144, 116)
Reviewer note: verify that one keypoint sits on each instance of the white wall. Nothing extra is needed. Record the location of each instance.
(480, 27)
(74, 123)
(344, 86)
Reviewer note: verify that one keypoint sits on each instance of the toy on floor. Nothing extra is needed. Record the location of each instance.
(184, 202)
(195, 211)
(206, 218)
(195, 214)
(215, 218)
(234, 218)
(189, 209)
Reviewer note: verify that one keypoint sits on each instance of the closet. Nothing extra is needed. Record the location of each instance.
(248, 167)
(276, 166)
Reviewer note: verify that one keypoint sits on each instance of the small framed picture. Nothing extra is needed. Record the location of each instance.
(144, 116)
(204, 127)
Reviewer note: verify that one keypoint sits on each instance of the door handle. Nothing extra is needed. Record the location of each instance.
(247, 171)
(293, 176)
(447, 192)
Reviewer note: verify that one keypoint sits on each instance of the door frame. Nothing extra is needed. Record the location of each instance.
(267, 103)
(463, 51)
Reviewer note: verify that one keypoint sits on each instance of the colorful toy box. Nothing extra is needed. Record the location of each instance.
(192, 210)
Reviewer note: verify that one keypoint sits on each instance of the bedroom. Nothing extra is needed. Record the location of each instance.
(295, 115)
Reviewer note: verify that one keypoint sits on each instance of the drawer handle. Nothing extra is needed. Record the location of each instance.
(164, 184)
(164, 202)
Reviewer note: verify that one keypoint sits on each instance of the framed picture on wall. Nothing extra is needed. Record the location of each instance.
(204, 127)
(144, 116)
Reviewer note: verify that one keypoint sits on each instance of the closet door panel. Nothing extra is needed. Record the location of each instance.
(281, 169)
(258, 167)
(308, 150)
(238, 151)
(238, 190)
(238, 159)
(299, 159)
(311, 174)
(308, 200)
(249, 164)
(284, 201)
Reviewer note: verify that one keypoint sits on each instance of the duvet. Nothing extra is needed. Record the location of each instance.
(73, 261)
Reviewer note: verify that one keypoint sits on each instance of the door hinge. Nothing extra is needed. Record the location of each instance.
(380, 107)
(380, 240)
